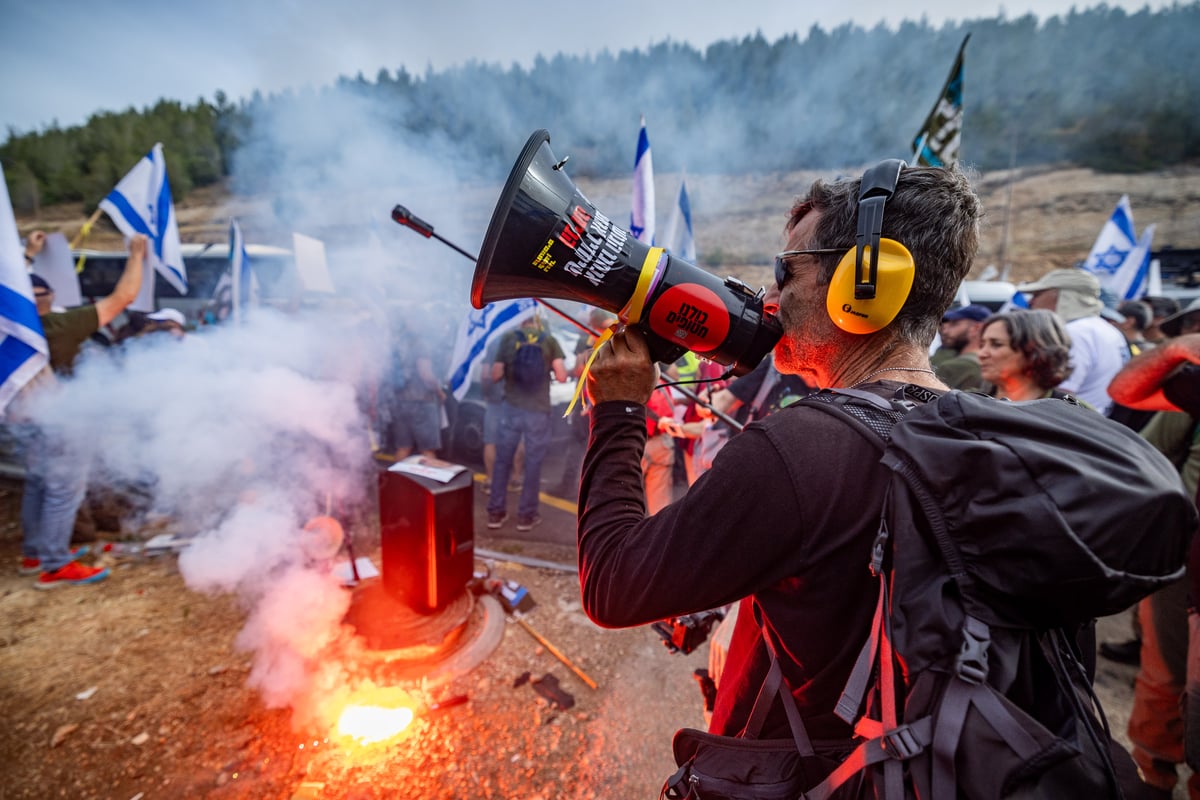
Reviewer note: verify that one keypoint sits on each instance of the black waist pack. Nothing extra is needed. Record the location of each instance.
(743, 767)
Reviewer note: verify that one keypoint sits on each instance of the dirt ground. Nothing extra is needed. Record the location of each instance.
(168, 713)
(134, 689)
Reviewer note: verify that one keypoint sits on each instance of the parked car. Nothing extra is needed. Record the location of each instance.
(205, 264)
(993, 294)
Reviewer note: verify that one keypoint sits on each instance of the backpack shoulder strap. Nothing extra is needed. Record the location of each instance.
(870, 414)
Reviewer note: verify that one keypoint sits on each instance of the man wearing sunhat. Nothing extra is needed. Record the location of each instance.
(1098, 350)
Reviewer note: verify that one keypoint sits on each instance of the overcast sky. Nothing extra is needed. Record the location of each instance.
(62, 60)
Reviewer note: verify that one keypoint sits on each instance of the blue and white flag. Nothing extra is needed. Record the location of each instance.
(23, 349)
(243, 280)
(641, 219)
(141, 203)
(1117, 259)
(237, 290)
(479, 327)
(1137, 267)
(679, 239)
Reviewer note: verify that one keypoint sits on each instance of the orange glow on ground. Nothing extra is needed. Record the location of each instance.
(375, 716)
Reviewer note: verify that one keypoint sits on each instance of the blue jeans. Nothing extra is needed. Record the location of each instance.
(55, 484)
(516, 423)
(416, 424)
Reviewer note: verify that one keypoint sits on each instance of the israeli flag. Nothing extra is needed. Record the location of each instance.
(23, 349)
(141, 203)
(679, 239)
(237, 289)
(479, 327)
(1137, 267)
(244, 281)
(1116, 258)
(641, 219)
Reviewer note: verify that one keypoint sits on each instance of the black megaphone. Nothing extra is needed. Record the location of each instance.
(547, 240)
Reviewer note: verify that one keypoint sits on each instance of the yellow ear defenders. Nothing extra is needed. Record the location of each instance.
(873, 280)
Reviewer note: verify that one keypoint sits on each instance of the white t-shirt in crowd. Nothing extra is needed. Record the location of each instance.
(1098, 351)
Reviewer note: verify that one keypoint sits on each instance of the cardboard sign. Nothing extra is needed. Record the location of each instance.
(311, 263)
(55, 265)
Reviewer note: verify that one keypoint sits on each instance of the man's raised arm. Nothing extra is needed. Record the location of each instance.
(128, 285)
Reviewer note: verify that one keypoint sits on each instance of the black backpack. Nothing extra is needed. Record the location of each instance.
(529, 365)
(1007, 529)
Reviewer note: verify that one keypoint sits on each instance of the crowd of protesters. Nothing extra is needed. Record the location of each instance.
(1068, 343)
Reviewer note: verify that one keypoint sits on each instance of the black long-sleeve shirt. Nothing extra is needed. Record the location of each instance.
(786, 517)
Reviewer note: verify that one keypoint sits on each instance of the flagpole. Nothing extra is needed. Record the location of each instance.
(1012, 169)
(235, 279)
(86, 229)
(236, 295)
(83, 234)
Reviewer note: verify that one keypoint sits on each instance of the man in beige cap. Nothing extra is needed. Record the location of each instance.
(1098, 350)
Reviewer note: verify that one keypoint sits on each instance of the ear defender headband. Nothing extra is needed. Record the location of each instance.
(872, 281)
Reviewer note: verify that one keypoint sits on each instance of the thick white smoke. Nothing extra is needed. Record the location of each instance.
(240, 435)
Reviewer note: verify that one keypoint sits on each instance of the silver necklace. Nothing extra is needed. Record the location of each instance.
(894, 369)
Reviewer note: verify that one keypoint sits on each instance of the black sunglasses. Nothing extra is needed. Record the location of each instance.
(781, 272)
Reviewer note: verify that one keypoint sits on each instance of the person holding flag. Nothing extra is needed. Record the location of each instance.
(141, 204)
(57, 465)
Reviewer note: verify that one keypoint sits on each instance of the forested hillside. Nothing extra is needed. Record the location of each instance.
(1100, 88)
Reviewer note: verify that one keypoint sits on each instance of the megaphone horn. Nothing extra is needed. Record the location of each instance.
(547, 240)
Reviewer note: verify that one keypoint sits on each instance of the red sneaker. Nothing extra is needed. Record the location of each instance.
(73, 574)
(32, 566)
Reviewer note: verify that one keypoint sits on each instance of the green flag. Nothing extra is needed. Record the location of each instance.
(937, 143)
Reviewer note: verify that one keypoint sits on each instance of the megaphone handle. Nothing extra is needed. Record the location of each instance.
(661, 350)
